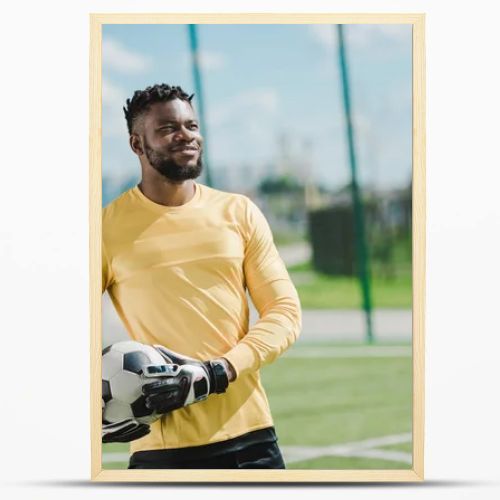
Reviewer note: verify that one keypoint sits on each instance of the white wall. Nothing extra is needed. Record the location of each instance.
(45, 449)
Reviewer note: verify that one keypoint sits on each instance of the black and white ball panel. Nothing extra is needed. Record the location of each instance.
(126, 386)
(134, 361)
(106, 391)
(122, 368)
(112, 364)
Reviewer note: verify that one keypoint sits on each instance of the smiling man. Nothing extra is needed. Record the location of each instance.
(178, 258)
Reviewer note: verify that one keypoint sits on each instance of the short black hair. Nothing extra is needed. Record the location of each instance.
(142, 100)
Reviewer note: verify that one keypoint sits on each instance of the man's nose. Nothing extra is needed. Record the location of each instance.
(184, 134)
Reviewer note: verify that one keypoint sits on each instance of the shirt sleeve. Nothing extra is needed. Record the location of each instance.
(272, 293)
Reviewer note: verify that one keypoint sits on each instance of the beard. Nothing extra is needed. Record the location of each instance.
(170, 169)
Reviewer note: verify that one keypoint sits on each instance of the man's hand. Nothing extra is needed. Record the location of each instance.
(187, 381)
(124, 431)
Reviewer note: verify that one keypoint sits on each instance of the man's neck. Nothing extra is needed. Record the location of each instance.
(168, 193)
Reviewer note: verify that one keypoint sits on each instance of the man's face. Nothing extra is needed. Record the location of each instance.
(172, 140)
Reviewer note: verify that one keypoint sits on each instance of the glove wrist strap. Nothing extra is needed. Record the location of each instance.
(219, 379)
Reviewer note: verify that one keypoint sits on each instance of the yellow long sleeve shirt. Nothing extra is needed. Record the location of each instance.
(178, 277)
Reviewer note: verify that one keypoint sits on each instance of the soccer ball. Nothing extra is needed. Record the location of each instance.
(122, 381)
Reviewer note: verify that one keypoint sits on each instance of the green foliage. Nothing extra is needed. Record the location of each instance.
(281, 184)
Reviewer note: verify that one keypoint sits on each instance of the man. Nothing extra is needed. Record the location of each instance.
(177, 260)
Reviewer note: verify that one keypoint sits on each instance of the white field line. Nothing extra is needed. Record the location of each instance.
(361, 449)
(366, 448)
(350, 352)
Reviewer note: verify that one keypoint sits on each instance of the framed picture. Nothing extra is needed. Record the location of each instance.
(257, 208)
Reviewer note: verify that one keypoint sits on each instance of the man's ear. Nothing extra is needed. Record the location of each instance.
(135, 142)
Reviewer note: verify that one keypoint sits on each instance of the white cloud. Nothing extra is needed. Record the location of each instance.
(238, 123)
(365, 35)
(258, 102)
(113, 100)
(324, 34)
(211, 61)
(265, 98)
(359, 35)
(120, 58)
(208, 60)
(112, 95)
(395, 31)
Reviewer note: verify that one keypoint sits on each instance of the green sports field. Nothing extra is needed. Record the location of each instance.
(335, 406)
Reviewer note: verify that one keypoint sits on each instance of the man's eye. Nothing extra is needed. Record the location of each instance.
(167, 129)
(193, 126)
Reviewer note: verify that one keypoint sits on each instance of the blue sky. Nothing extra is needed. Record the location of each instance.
(272, 98)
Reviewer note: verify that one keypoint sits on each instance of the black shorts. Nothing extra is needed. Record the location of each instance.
(255, 450)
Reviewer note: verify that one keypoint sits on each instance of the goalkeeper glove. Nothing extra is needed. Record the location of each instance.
(184, 381)
(124, 431)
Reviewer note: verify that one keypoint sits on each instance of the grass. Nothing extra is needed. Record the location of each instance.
(321, 402)
(321, 291)
(329, 463)
(338, 400)
(391, 284)
(400, 447)
(283, 238)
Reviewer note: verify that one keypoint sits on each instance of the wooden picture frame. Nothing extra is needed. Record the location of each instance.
(416, 473)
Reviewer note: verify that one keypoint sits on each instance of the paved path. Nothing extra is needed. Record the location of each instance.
(296, 253)
(317, 325)
(388, 324)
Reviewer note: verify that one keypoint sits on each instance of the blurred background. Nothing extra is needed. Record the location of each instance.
(314, 123)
